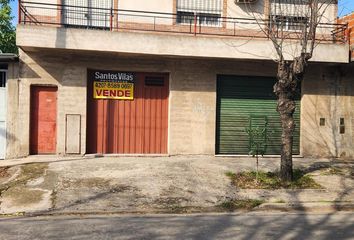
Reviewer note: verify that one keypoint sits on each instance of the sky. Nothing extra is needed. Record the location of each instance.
(344, 7)
(14, 7)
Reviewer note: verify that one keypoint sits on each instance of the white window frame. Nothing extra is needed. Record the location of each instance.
(192, 12)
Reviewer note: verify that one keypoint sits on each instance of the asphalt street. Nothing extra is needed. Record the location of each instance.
(339, 225)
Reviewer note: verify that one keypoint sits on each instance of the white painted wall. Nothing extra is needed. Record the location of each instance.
(42, 10)
(143, 5)
(2, 122)
(165, 6)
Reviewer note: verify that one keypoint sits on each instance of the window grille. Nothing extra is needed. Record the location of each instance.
(208, 12)
(87, 13)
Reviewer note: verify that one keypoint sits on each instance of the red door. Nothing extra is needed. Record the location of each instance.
(43, 120)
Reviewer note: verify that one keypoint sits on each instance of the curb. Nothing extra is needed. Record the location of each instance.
(307, 206)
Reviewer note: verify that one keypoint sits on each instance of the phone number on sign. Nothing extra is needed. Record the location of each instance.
(113, 85)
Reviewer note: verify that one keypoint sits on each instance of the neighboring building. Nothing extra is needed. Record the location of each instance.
(8, 70)
(170, 77)
(349, 19)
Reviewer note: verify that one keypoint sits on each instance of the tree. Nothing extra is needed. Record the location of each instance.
(7, 31)
(258, 140)
(294, 23)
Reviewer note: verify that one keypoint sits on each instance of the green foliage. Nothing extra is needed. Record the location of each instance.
(7, 31)
(258, 135)
(230, 174)
(257, 140)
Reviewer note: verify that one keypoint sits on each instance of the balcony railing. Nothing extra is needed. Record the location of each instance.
(111, 19)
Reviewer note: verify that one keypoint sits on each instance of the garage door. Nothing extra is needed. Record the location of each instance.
(128, 126)
(249, 102)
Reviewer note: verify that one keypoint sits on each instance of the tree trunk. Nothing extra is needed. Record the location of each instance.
(286, 109)
(285, 89)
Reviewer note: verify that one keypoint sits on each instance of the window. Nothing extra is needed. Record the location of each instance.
(87, 13)
(208, 12)
(185, 17)
(289, 15)
(289, 23)
(3, 77)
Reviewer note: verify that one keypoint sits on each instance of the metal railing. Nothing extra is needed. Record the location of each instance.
(111, 19)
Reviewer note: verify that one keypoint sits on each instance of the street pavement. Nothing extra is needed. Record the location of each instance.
(183, 184)
(331, 226)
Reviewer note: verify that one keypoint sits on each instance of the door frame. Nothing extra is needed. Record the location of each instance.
(30, 117)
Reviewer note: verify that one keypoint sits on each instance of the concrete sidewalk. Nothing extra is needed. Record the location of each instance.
(59, 185)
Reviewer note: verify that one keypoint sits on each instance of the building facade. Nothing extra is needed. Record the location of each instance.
(171, 77)
(8, 70)
(349, 20)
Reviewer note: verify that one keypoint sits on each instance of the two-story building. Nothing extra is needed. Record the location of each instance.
(171, 77)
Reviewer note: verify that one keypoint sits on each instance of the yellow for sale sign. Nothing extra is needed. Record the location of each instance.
(113, 85)
(109, 90)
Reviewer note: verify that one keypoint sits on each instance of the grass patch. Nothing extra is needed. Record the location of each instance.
(270, 180)
(246, 204)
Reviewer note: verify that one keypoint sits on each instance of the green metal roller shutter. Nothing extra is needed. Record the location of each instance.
(244, 101)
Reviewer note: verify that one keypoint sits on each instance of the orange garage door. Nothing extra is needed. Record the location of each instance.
(137, 126)
(43, 120)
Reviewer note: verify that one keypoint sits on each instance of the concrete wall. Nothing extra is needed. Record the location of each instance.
(192, 104)
(248, 11)
(327, 92)
(168, 44)
(349, 19)
(46, 71)
(166, 6)
(42, 10)
(12, 130)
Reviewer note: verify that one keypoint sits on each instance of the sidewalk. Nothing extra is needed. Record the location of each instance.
(60, 185)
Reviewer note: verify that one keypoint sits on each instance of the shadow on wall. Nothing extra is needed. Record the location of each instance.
(26, 71)
(48, 65)
(10, 138)
(60, 40)
(329, 80)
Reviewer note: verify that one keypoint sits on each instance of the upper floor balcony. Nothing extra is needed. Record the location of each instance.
(176, 31)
